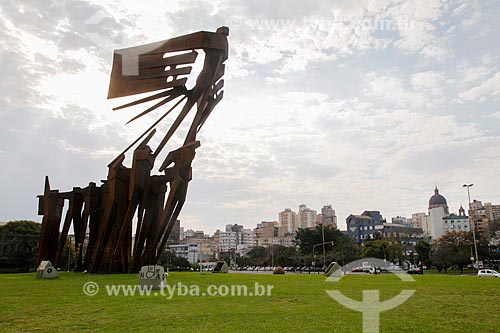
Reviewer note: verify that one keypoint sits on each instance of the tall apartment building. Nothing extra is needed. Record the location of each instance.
(235, 238)
(244, 237)
(493, 211)
(225, 241)
(288, 221)
(328, 217)
(205, 244)
(479, 217)
(191, 233)
(187, 251)
(175, 237)
(265, 232)
(270, 233)
(419, 220)
(306, 217)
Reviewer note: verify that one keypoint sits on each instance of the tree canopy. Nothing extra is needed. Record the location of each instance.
(19, 241)
(453, 249)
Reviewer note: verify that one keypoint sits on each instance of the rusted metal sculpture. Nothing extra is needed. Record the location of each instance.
(107, 212)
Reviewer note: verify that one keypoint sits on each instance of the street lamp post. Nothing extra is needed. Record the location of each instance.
(472, 221)
(324, 253)
(314, 247)
(200, 259)
(272, 252)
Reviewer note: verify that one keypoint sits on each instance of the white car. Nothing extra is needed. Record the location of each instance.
(488, 272)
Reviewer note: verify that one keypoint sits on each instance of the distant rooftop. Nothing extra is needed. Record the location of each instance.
(455, 217)
(362, 217)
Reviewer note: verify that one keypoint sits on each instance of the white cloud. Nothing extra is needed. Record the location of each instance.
(489, 87)
(470, 74)
(393, 88)
(321, 104)
(470, 12)
(420, 35)
(429, 80)
(275, 80)
(496, 115)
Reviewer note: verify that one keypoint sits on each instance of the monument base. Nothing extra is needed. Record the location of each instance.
(152, 277)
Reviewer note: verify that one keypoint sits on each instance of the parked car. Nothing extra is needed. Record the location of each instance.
(488, 273)
(415, 270)
(357, 270)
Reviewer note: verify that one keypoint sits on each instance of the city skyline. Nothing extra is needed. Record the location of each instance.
(341, 222)
(364, 107)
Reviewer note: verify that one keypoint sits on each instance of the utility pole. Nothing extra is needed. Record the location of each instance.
(472, 223)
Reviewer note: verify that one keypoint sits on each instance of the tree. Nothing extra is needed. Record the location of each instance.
(373, 249)
(441, 256)
(263, 256)
(423, 249)
(494, 226)
(343, 249)
(168, 259)
(305, 239)
(286, 256)
(453, 249)
(242, 261)
(20, 241)
(395, 251)
(225, 256)
(257, 256)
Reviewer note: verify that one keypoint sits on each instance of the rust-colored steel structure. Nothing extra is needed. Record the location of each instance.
(106, 212)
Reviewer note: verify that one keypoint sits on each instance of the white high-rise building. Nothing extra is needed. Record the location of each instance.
(307, 217)
(246, 241)
(235, 238)
(226, 241)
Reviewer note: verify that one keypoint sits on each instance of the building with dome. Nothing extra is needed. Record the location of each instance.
(439, 221)
(438, 209)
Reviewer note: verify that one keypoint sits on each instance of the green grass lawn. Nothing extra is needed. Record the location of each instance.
(298, 303)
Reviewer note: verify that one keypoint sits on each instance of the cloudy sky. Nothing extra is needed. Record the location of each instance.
(365, 107)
